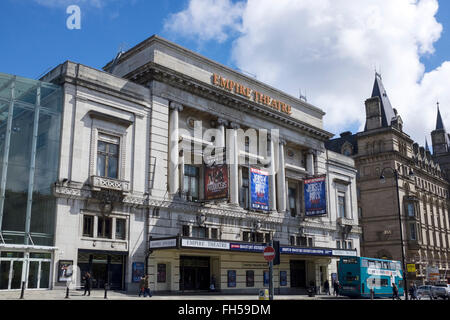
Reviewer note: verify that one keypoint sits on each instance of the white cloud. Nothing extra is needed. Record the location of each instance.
(330, 48)
(206, 20)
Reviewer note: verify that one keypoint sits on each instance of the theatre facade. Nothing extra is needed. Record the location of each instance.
(174, 165)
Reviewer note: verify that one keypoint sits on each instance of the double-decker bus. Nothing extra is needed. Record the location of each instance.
(357, 275)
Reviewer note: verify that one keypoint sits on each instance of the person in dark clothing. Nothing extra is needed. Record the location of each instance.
(336, 288)
(146, 287)
(87, 283)
(326, 287)
(395, 292)
(141, 286)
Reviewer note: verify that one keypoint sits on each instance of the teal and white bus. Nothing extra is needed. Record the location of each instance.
(358, 275)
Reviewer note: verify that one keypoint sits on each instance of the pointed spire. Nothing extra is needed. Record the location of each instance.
(439, 123)
(387, 113)
(427, 148)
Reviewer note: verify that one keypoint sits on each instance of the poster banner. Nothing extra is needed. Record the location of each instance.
(315, 197)
(65, 270)
(216, 182)
(259, 189)
(137, 271)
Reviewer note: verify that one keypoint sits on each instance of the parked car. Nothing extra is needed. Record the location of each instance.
(446, 287)
(439, 292)
(424, 291)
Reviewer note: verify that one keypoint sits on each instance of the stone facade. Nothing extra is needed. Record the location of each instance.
(147, 106)
(382, 152)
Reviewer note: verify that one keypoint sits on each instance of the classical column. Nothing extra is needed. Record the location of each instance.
(310, 162)
(174, 172)
(234, 164)
(272, 172)
(221, 124)
(281, 178)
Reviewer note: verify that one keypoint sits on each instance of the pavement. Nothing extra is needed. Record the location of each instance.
(60, 294)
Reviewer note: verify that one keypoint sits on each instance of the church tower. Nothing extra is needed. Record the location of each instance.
(439, 137)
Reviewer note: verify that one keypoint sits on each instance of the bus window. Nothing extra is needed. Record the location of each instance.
(378, 263)
(364, 263)
(392, 265)
(349, 260)
(384, 282)
(384, 265)
(371, 264)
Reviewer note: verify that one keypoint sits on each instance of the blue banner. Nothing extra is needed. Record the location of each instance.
(137, 271)
(315, 197)
(259, 189)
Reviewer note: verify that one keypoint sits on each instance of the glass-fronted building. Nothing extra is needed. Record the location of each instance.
(30, 120)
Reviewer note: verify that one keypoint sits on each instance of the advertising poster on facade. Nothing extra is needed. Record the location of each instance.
(315, 197)
(231, 278)
(138, 271)
(259, 189)
(216, 182)
(65, 270)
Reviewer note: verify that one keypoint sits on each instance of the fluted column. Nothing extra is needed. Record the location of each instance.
(281, 178)
(221, 124)
(234, 164)
(310, 162)
(272, 180)
(174, 171)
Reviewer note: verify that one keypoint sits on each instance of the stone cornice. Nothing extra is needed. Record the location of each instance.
(152, 71)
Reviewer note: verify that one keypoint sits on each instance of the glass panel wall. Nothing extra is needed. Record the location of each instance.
(30, 118)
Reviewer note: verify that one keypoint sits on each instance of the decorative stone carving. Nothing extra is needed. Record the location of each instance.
(107, 183)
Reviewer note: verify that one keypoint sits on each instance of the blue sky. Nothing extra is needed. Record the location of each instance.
(35, 39)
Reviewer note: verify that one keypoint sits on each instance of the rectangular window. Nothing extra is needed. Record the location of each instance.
(259, 237)
(341, 205)
(108, 156)
(161, 273)
(191, 182)
(411, 209)
(214, 233)
(246, 236)
(120, 229)
(302, 241)
(412, 232)
(244, 190)
(292, 194)
(338, 244)
(292, 240)
(186, 232)
(384, 282)
(310, 242)
(88, 226)
(104, 227)
(250, 278)
(267, 237)
(199, 232)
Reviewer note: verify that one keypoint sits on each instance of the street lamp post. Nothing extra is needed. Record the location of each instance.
(401, 226)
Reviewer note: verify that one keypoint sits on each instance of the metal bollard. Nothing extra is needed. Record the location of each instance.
(67, 293)
(22, 292)
(106, 291)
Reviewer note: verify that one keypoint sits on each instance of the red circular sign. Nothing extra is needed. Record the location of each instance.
(269, 253)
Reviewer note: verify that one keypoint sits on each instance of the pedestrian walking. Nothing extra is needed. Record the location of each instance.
(326, 287)
(141, 286)
(87, 283)
(146, 287)
(336, 288)
(395, 292)
(413, 291)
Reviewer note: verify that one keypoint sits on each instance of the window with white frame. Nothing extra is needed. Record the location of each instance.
(108, 156)
(341, 205)
(191, 182)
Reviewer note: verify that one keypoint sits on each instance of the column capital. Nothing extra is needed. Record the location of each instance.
(175, 106)
(282, 141)
(222, 122)
(234, 125)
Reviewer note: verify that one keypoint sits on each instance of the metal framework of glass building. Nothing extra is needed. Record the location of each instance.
(30, 120)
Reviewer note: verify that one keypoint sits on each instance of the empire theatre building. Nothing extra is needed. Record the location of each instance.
(174, 165)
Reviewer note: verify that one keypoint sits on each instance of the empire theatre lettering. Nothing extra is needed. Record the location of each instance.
(254, 95)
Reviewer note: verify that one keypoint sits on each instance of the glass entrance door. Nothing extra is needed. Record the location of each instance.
(5, 267)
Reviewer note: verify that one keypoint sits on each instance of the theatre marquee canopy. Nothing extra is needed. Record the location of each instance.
(193, 243)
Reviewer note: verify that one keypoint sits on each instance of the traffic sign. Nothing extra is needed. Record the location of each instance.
(269, 253)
